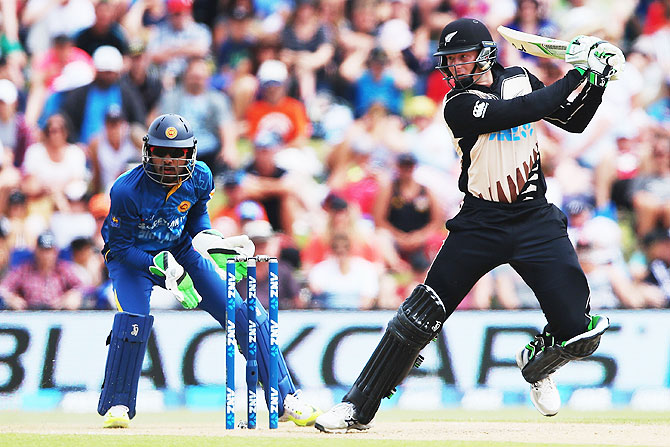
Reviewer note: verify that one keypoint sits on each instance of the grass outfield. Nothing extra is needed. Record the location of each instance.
(393, 428)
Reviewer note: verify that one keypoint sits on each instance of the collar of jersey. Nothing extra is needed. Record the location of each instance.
(173, 190)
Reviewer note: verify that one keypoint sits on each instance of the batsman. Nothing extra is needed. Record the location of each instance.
(505, 218)
(158, 232)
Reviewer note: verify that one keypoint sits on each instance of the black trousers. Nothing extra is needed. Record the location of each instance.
(532, 237)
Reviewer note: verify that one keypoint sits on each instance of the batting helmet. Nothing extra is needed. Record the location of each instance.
(461, 36)
(169, 135)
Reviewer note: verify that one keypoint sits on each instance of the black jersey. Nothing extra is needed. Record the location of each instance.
(494, 133)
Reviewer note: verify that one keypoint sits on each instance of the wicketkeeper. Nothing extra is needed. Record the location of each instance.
(158, 216)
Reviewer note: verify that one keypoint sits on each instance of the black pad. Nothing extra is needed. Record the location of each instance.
(549, 358)
(417, 322)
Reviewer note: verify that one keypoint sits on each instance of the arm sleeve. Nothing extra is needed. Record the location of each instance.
(198, 216)
(126, 217)
(574, 116)
(468, 114)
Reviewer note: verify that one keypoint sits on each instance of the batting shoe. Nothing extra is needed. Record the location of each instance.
(116, 417)
(298, 411)
(340, 419)
(543, 393)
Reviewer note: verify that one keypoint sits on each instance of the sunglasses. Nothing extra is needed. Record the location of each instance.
(173, 152)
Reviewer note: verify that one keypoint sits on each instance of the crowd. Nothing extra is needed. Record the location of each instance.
(322, 123)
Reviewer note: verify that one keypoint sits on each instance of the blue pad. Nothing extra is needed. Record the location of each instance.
(127, 343)
(286, 385)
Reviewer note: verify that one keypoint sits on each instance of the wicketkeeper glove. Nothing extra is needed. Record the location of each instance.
(213, 246)
(579, 50)
(177, 280)
(605, 61)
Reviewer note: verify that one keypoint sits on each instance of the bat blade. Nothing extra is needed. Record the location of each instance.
(536, 45)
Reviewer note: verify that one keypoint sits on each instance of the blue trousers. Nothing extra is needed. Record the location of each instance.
(133, 291)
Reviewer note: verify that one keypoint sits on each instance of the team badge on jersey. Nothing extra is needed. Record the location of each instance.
(115, 222)
(479, 109)
(184, 206)
(171, 132)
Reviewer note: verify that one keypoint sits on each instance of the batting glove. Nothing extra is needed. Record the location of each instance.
(213, 246)
(578, 51)
(177, 280)
(605, 61)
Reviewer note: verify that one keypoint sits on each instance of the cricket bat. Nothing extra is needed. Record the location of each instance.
(537, 45)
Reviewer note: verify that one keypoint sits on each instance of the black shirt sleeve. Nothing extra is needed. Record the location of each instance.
(574, 116)
(469, 113)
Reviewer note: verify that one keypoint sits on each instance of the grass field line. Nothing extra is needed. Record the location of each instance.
(392, 428)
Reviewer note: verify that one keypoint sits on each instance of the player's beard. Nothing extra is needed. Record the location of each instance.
(170, 173)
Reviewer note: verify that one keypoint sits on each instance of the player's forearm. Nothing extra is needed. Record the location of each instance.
(576, 115)
(493, 115)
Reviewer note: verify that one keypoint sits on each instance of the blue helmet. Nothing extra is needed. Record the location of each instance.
(169, 135)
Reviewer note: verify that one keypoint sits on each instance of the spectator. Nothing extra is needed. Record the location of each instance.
(343, 280)
(275, 111)
(657, 281)
(208, 110)
(75, 221)
(105, 31)
(236, 60)
(142, 18)
(609, 279)
(615, 172)
(143, 77)
(113, 150)
(5, 253)
(23, 227)
(659, 110)
(42, 283)
(86, 106)
(650, 190)
(237, 210)
(49, 66)
(176, 40)
(341, 218)
(236, 51)
(658, 16)
(46, 19)
(53, 166)
(88, 265)
(15, 134)
(267, 183)
(10, 177)
(307, 48)
(13, 57)
(376, 79)
(75, 74)
(529, 18)
(410, 214)
(357, 165)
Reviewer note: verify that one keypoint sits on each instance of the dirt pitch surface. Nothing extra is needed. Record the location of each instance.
(624, 434)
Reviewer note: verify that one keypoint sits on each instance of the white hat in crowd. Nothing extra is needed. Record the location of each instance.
(107, 58)
(8, 92)
(272, 71)
(258, 230)
(75, 74)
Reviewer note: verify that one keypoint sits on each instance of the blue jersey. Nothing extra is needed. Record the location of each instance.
(146, 218)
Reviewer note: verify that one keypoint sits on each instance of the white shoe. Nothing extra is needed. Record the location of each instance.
(298, 411)
(543, 393)
(340, 419)
(116, 417)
